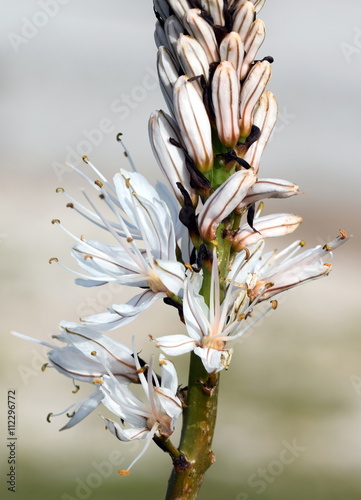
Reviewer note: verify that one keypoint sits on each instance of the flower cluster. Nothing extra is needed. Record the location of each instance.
(200, 246)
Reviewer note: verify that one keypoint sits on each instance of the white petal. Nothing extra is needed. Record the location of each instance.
(168, 374)
(171, 274)
(122, 314)
(175, 345)
(195, 310)
(92, 402)
(213, 360)
(126, 434)
(170, 404)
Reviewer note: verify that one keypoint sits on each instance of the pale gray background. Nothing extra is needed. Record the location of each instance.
(67, 79)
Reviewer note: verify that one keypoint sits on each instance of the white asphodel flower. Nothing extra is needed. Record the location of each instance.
(146, 420)
(87, 357)
(210, 328)
(140, 214)
(282, 271)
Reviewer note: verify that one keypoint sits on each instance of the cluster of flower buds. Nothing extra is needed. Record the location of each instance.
(220, 117)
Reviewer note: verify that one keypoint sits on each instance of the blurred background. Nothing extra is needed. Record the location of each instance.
(74, 73)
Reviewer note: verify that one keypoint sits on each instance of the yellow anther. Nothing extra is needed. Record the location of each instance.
(162, 362)
(55, 221)
(188, 266)
(99, 183)
(123, 472)
(130, 239)
(53, 259)
(241, 317)
(43, 368)
(214, 242)
(141, 370)
(93, 353)
(327, 248)
(127, 182)
(274, 304)
(98, 381)
(59, 190)
(302, 243)
(85, 159)
(70, 205)
(343, 234)
(328, 264)
(88, 256)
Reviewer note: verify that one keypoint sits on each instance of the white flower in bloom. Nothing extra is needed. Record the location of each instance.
(88, 357)
(156, 417)
(254, 278)
(141, 214)
(210, 328)
(277, 272)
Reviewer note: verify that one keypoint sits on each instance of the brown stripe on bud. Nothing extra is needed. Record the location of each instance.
(192, 57)
(243, 18)
(203, 33)
(193, 122)
(265, 118)
(223, 201)
(254, 39)
(225, 97)
(170, 158)
(269, 226)
(251, 92)
(232, 50)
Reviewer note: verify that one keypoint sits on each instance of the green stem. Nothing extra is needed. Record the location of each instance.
(199, 421)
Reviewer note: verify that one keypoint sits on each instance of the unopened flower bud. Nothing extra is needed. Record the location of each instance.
(193, 121)
(254, 39)
(162, 7)
(168, 74)
(173, 29)
(170, 158)
(179, 7)
(268, 226)
(225, 97)
(223, 201)
(268, 188)
(192, 57)
(265, 118)
(160, 37)
(215, 9)
(258, 4)
(251, 92)
(243, 18)
(203, 33)
(232, 50)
